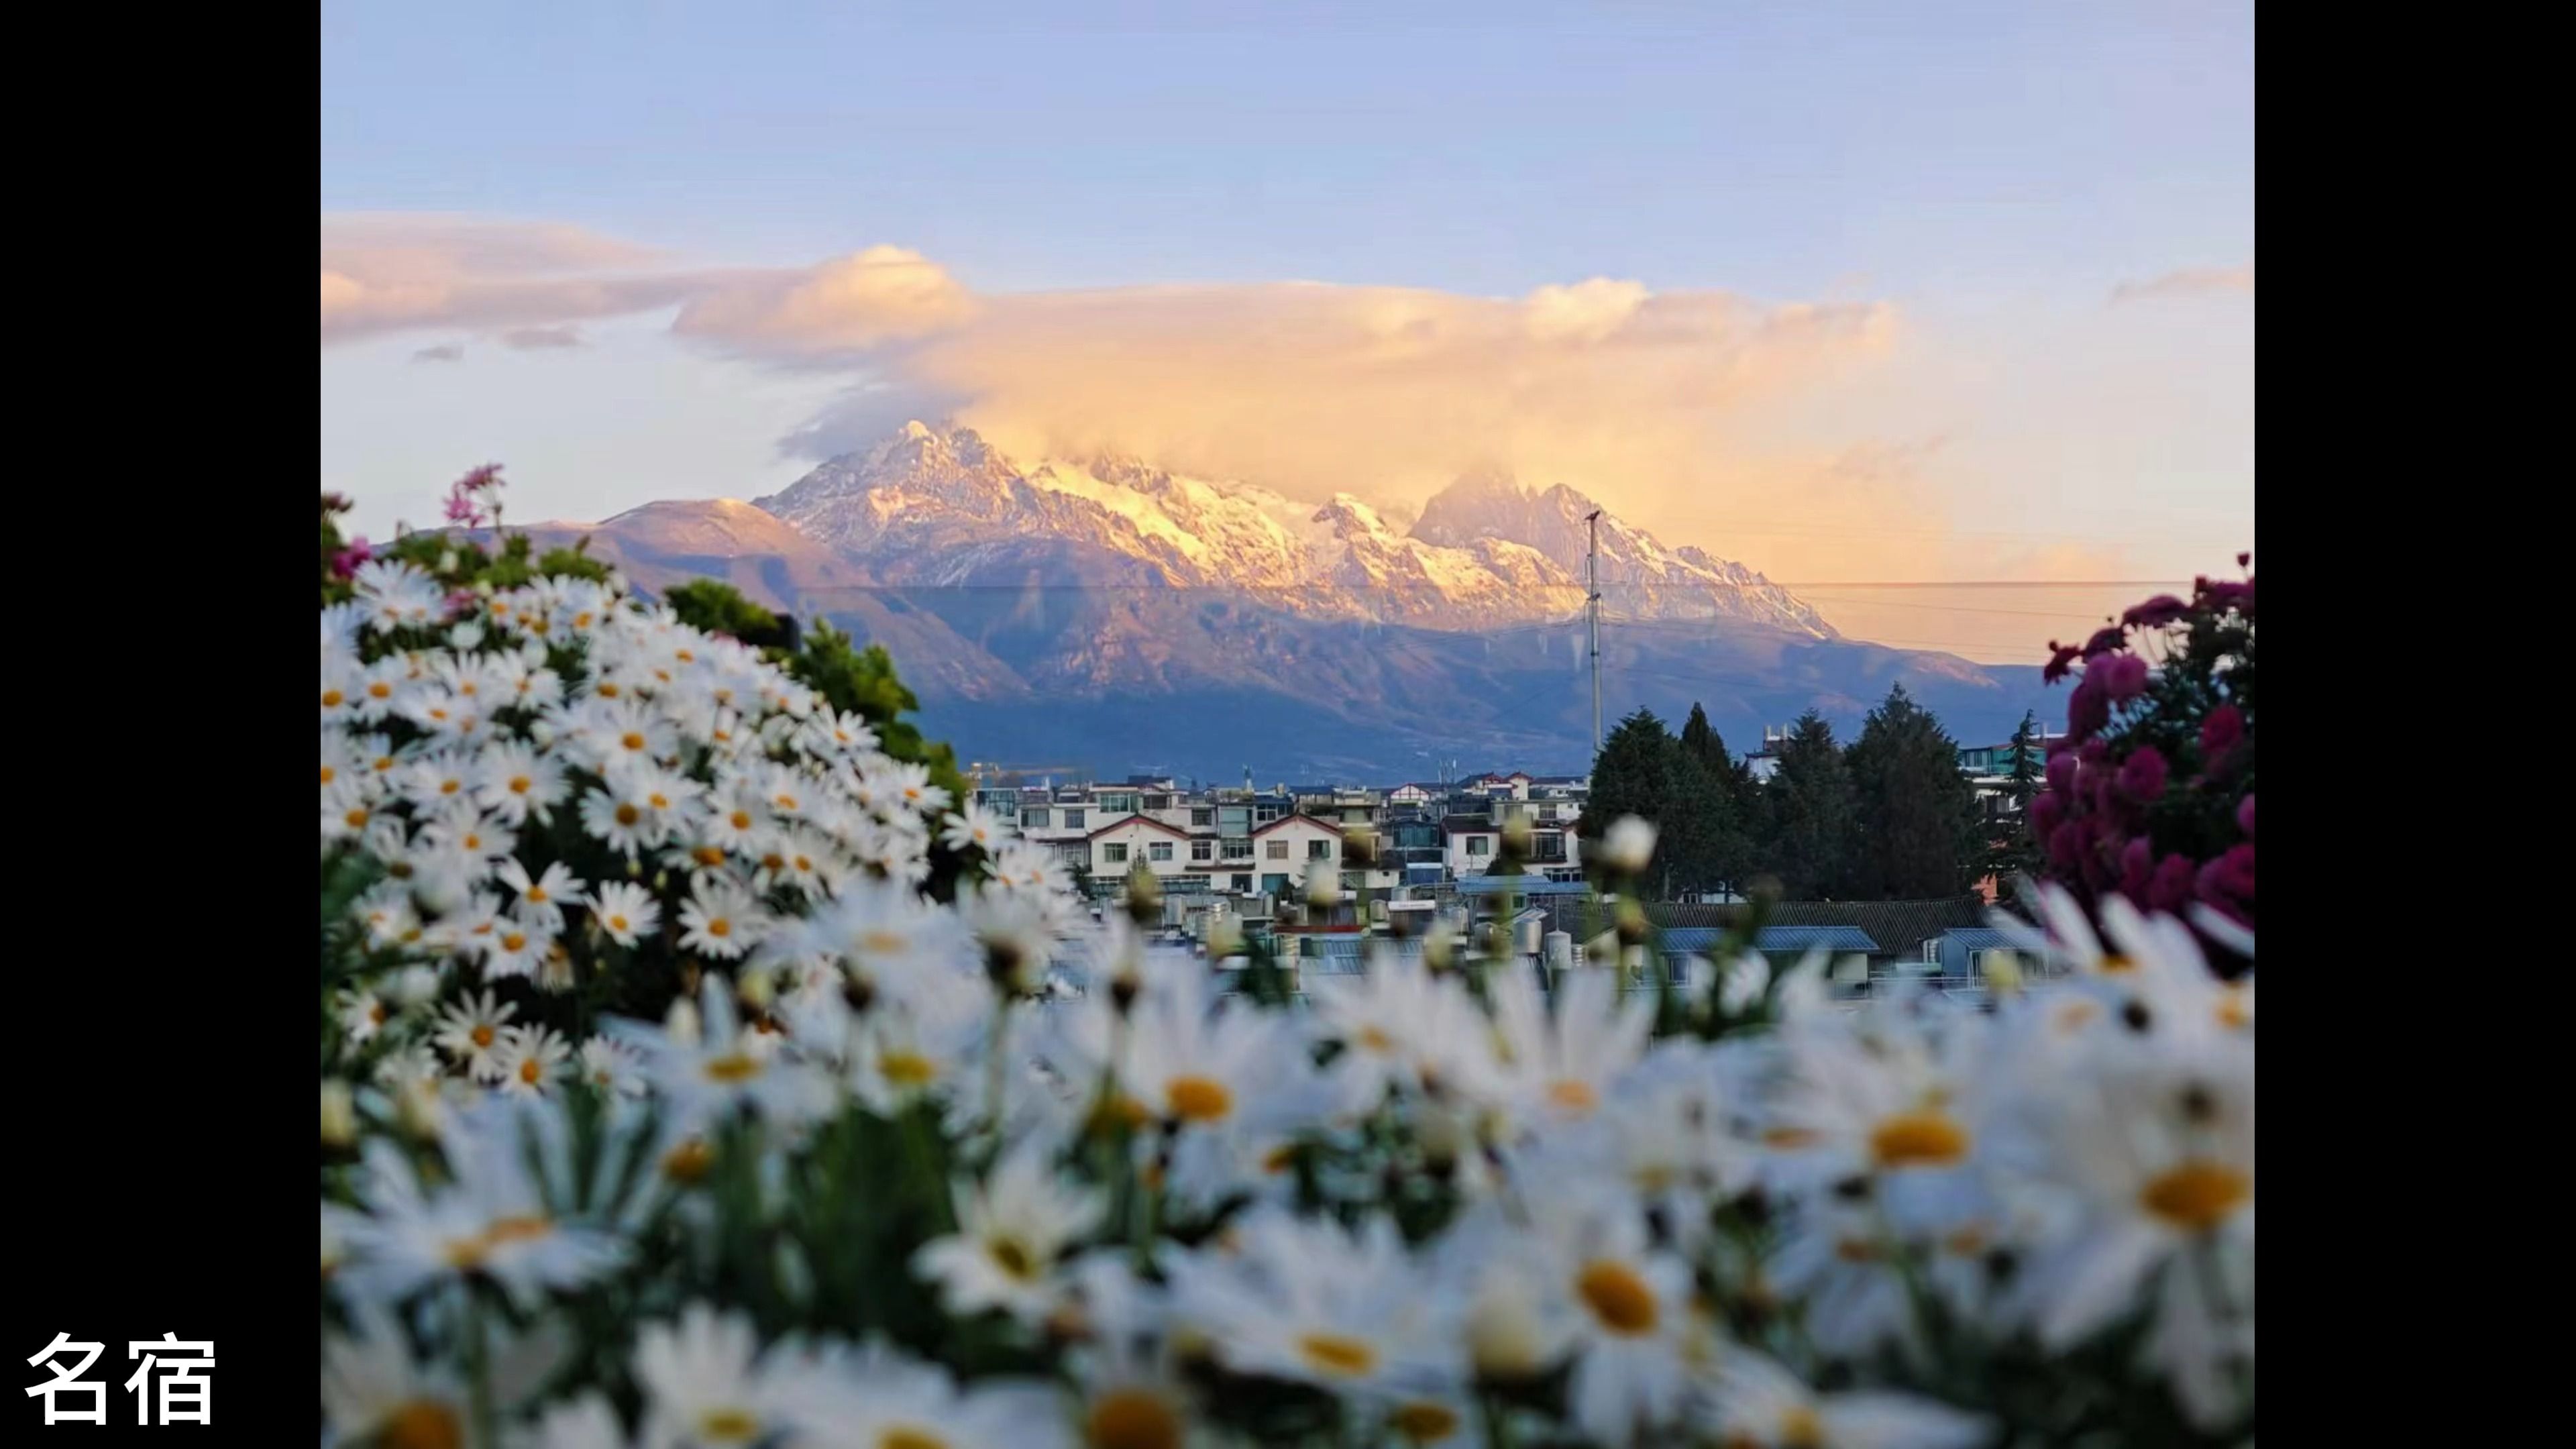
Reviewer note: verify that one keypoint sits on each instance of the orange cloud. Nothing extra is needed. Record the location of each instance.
(1637, 397)
(884, 294)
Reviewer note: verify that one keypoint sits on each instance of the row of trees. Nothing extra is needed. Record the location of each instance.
(1888, 817)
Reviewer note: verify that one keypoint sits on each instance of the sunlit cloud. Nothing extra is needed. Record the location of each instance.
(2190, 282)
(386, 273)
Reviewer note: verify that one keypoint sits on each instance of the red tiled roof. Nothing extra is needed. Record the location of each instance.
(1328, 826)
(1124, 821)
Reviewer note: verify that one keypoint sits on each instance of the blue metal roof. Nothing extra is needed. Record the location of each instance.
(1528, 885)
(1700, 940)
(1335, 955)
(1977, 938)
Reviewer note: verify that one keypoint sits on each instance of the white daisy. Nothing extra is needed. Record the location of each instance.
(1013, 1231)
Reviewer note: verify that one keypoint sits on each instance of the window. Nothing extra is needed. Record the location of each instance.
(1238, 850)
(1073, 820)
(1202, 850)
(1479, 845)
(1242, 882)
(1319, 850)
(1114, 854)
(1278, 850)
(1118, 804)
(1201, 819)
(1932, 951)
(1033, 819)
(1158, 802)
(1158, 850)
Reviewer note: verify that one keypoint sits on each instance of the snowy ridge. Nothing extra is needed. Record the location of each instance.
(931, 506)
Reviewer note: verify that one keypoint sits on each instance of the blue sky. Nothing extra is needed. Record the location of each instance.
(1990, 174)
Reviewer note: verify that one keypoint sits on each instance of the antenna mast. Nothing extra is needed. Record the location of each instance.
(1592, 603)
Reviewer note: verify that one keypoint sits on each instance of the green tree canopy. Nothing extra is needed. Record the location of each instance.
(1920, 831)
(1813, 814)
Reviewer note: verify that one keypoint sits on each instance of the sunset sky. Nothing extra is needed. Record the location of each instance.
(1857, 294)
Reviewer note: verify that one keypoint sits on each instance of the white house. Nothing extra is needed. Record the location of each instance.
(1282, 849)
(1120, 846)
(1470, 843)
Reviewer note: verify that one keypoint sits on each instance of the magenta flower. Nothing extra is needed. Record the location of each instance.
(2229, 880)
(2169, 890)
(2122, 676)
(345, 562)
(2106, 640)
(2061, 660)
(2155, 613)
(2046, 812)
(2245, 816)
(2142, 775)
(2137, 863)
(2219, 596)
(2088, 709)
(2220, 732)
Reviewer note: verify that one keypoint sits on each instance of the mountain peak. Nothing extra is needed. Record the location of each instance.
(934, 503)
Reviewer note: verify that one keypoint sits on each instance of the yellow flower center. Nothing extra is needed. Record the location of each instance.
(689, 1161)
(631, 740)
(521, 784)
(329, 774)
(1617, 1297)
(1801, 1429)
(513, 941)
(907, 1069)
(628, 814)
(735, 1068)
(2232, 1010)
(618, 924)
(719, 928)
(516, 1229)
(1132, 1419)
(2115, 965)
(1198, 1099)
(1423, 1422)
(1013, 1257)
(450, 787)
(2196, 1196)
(355, 819)
(903, 1436)
(380, 690)
(728, 1426)
(331, 698)
(532, 1071)
(1573, 1096)
(421, 1424)
(1337, 1354)
(481, 1036)
(1788, 1139)
(1374, 1040)
(741, 819)
(1856, 1250)
(1918, 1139)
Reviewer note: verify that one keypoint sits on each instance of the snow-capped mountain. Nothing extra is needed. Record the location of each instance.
(934, 507)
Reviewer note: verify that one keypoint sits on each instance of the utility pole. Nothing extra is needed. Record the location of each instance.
(1592, 602)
